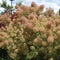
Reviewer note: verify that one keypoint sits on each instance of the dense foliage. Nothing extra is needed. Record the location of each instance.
(30, 34)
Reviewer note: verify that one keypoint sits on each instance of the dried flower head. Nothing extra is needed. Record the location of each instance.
(48, 24)
(44, 43)
(33, 4)
(50, 39)
(29, 25)
(35, 29)
(41, 7)
(58, 33)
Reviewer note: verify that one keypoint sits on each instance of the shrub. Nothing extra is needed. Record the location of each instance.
(32, 35)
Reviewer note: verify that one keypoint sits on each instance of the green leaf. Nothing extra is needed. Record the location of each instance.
(32, 55)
